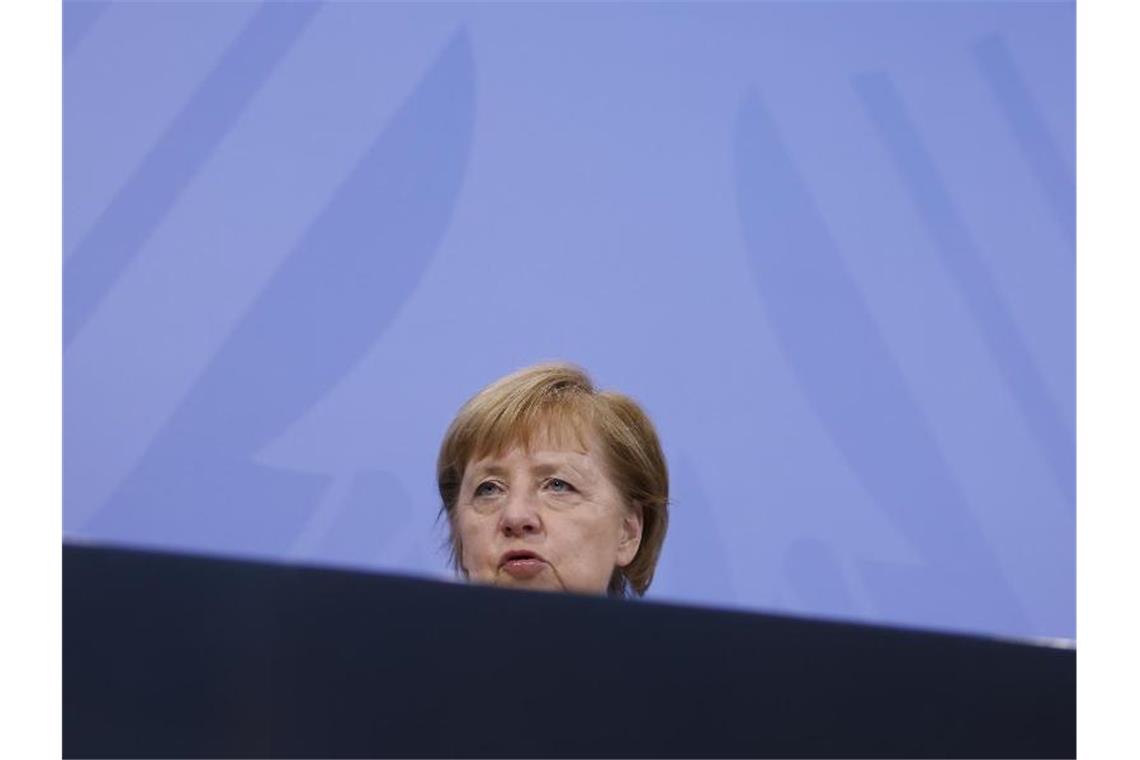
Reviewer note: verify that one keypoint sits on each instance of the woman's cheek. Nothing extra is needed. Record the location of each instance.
(473, 546)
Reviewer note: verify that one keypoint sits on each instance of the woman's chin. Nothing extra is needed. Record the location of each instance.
(539, 578)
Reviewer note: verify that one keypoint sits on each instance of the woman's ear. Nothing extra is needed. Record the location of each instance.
(630, 540)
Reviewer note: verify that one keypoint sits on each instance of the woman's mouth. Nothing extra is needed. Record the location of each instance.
(522, 564)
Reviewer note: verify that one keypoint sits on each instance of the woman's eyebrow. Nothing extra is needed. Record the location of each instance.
(551, 467)
(488, 469)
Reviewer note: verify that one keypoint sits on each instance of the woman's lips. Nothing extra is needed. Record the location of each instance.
(523, 567)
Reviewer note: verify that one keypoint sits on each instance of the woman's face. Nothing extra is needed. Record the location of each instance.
(548, 518)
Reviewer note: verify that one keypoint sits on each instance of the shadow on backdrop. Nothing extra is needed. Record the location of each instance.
(119, 233)
(963, 261)
(199, 486)
(851, 381)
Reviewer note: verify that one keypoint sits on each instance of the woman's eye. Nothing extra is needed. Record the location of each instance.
(559, 486)
(486, 489)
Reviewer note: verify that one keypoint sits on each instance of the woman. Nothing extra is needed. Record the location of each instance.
(550, 484)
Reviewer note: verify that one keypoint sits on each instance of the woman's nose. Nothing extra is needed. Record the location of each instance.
(520, 517)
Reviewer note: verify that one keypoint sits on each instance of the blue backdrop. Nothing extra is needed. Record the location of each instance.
(830, 247)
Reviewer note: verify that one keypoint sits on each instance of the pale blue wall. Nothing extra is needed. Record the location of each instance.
(829, 247)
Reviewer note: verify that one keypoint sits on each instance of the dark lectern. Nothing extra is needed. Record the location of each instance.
(178, 656)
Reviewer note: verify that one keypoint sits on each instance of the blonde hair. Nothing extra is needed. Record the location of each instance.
(559, 399)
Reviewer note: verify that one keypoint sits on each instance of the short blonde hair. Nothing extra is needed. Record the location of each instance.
(559, 399)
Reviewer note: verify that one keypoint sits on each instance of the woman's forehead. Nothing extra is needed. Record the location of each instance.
(544, 447)
(538, 453)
